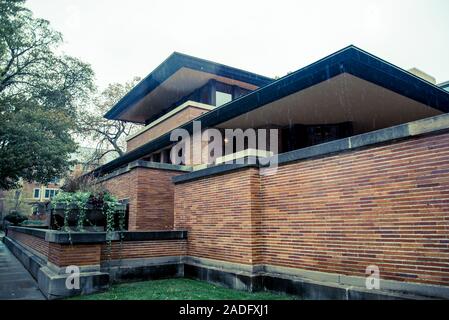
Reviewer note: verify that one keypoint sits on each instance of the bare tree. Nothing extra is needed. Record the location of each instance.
(108, 136)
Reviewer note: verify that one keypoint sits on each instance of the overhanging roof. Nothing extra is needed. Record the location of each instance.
(178, 76)
(444, 85)
(350, 60)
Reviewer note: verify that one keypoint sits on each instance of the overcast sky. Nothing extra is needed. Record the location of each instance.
(126, 38)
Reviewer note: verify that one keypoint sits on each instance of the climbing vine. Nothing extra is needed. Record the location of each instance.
(81, 202)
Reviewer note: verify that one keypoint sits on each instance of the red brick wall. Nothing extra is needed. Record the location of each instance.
(37, 244)
(217, 213)
(151, 196)
(125, 187)
(63, 255)
(386, 206)
(143, 249)
(78, 255)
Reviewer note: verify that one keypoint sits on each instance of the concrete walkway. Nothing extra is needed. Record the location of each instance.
(15, 281)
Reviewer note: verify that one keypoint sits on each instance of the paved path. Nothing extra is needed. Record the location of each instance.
(15, 281)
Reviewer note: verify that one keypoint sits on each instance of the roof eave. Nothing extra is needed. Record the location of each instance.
(350, 60)
(172, 64)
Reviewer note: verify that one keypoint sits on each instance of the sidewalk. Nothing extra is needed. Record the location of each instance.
(15, 281)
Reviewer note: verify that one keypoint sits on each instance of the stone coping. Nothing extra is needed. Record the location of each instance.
(145, 164)
(169, 114)
(430, 125)
(54, 236)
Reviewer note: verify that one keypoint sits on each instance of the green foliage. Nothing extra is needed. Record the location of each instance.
(15, 218)
(79, 200)
(82, 200)
(40, 92)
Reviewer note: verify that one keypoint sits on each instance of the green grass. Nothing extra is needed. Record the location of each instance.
(178, 289)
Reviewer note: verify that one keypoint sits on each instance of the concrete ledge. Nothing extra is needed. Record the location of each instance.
(233, 280)
(144, 269)
(222, 265)
(308, 284)
(185, 105)
(60, 237)
(410, 288)
(250, 162)
(145, 164)
(39, 233)
(142, 262)
(53, 285)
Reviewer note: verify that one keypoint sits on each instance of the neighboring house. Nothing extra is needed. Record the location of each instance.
(29, 199)
(360, 188)
(32, 197)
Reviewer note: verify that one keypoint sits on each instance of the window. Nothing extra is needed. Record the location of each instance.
(156, 157)
(50, 193)
(37, 193)
(222, 98)
(55, 180)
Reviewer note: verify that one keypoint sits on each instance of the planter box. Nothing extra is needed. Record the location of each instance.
(95, 219)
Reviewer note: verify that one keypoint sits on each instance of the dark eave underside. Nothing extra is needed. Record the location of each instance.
(173, 63)
(349, 60)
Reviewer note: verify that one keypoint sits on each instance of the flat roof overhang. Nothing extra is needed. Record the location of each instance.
(337, 100)
(178, 76)
(351, 60)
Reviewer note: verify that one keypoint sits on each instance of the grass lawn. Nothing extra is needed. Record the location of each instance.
(178, 289)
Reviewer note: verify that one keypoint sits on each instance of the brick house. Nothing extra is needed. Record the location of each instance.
(362, 178)
(31, 198)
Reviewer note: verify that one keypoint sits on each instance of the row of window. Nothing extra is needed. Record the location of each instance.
(48, 193)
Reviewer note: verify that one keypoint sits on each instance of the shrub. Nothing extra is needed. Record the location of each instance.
(15, 218)
(84, 201)
(82, 184)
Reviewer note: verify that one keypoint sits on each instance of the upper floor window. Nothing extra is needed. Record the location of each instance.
(222, 98)
(50, 193)
(55, 180)
(37, 193)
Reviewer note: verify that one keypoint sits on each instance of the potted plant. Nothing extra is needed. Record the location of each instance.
(81, 210)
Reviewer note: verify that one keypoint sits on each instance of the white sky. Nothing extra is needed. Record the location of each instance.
(126, 38)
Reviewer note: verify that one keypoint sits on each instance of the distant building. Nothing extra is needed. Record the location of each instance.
(32, 197)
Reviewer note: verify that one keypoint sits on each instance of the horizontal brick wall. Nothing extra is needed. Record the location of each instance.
(217, 213)
(165, 126)
(37, 244)
(78, 255)
(143, 249)
(124, 187)
(63, 255)
(386, 206)
(151, 197)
